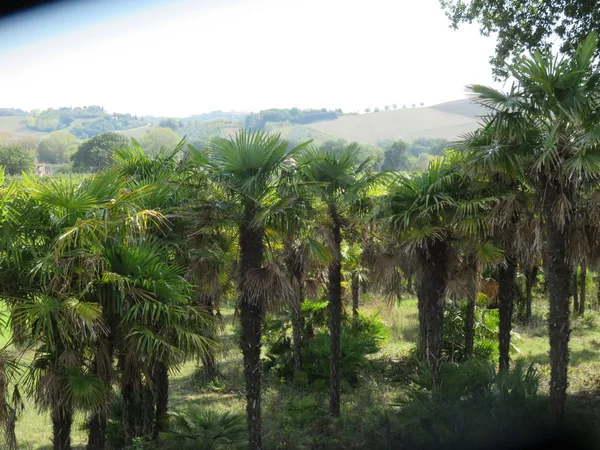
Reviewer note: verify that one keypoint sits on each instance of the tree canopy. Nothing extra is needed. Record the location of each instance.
(527, 24)
(95, 153)
(16, 159)
(57, 148)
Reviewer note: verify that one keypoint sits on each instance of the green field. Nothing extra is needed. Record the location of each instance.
(291, 410)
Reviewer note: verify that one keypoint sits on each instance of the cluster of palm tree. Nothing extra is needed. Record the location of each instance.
(95, 296)
(112, 280)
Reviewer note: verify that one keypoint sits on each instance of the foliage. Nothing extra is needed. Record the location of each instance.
(202, 429)
(16, 159)
(12, 112)
(474, 406)
(430, 146)
(485, 327)
(160, 138)
(105, 123)
(294, 115)
(395, 156)
(96, 153)
(358, 340)
(527, 25)
(57, 148)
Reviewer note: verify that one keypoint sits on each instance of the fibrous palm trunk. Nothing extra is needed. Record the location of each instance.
(296, 271)
(507, 291)
(471, 301)
(250, 307)
(583, 293)
(62, 419)
(161, 386)
(335, 314)
(98, 436)
(558, 276)
(297, 322)
(355, 295)
(431, 288)
(575, 293)
(209, 362)
(131, 393)
(530, 276)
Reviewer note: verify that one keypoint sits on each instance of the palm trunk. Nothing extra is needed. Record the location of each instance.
(148, 411)
(470, 317)
(355, 295)
(530, 276)
(62, 419)
(575, 293)
(209, 362)
(251, 312)
(335, 314)
(161, 382)
(507, 290)
(409, 283)
(422, 326)
(297, 333)
(558, 276)
(298, 322)
(296, 271)
(431, 288)
(98, 439)
(583, 293)
(130, 392)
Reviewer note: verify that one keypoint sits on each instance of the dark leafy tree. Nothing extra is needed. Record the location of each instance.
(527, 24)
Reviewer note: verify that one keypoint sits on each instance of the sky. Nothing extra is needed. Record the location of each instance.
(183, 57)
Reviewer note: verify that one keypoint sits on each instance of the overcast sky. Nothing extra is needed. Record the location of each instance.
(183, 57)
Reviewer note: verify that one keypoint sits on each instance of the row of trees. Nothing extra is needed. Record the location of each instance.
(394, 107)
(517, 194)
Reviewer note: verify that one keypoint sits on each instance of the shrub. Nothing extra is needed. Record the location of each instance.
(474, 406)
(486, 333)
(359, 338)
(201, 429)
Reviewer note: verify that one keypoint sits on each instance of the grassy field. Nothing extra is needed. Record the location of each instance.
(16, 125)
(405, 124)
(296, 417)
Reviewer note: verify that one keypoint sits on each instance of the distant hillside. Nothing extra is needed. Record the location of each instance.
(17, 126)
(444, 121)
(463, 107)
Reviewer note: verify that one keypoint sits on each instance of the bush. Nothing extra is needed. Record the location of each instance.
(359, 339)
(474, 406)
(486, 333)
(201, 429)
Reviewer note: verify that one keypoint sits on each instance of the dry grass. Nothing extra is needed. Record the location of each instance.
(405, 124)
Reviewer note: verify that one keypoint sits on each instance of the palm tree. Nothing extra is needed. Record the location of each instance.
(546, 126)
(342, 181)
(427, 209)
(250, 167)
(299, 227)
(156, 314)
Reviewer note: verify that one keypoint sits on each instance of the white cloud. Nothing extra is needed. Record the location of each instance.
(181, 58)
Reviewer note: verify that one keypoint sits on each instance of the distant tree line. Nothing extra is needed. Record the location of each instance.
(54, 119)
(293, 116)
(12, 112)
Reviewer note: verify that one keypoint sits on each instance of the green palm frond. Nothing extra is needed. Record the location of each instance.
(84, 390)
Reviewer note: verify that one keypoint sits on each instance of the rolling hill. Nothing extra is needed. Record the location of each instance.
(444, 121)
